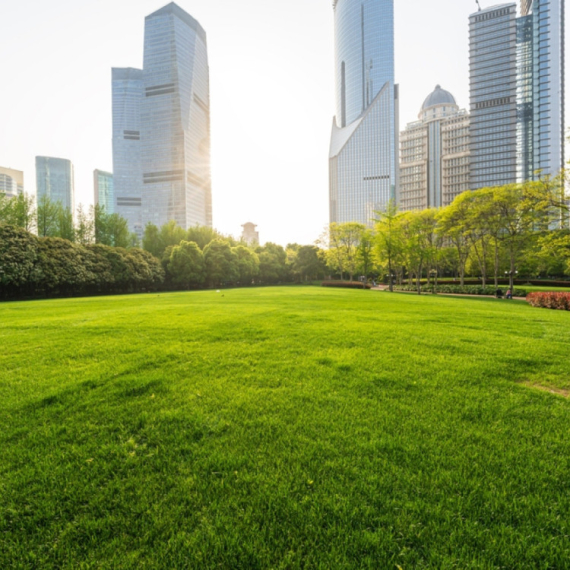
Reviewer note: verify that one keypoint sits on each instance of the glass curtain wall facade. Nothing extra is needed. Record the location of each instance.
(364, 143)
(54, 178)
(175, 116)
(127, 171)
(161, 126)
(104, 194)
(541, 88)
(493, 95)
(11, 182)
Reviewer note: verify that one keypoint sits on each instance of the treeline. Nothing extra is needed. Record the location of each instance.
(32, 266)
(492, 234)
(202, 257)
(51, 219)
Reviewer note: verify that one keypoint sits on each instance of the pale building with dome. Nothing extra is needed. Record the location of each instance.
(434, 154)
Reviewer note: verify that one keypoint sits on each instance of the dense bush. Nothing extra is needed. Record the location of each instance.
(346, 284)
(33, 267)
(550, 300)
(458, 290)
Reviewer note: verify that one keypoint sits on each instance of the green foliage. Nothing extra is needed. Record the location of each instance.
(31, 266)
(272, 263)
(186, 265)
(221, 263)
(247, 264)
(283, 428)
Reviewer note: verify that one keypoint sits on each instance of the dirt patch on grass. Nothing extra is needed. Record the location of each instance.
(558, 391)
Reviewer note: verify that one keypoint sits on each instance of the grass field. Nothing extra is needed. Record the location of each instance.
(284, 428)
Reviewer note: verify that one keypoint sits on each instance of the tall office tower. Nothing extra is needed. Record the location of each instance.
(493, 93)
(540, 92)
(104, 194)
(166, 122)
(434, 157)
(11, 182)
(363, 167)
(54, 178)
(127, 172)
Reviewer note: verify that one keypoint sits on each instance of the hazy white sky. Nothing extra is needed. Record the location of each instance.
(272, 93)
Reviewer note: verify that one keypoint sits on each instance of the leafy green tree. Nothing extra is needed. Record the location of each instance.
(247, 264)
(65, 227)
(221, 263)
(186, 265)
(203, 235)
(389, 244)
(151, 240)
(272, 263)
(84, 228)
(453, 224)
(553, 252)
(308, 263)
(48, 217)
(19, 271)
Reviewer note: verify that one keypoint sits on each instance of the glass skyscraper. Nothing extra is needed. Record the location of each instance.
(166, 126)
(363, 167)
(127, 172)
(54, 177)
(493, 94)
(541, 89)
(104, 194)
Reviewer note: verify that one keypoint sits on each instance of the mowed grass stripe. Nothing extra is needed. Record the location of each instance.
(283, 428)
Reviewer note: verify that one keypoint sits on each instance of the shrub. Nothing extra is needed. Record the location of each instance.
(458, 290)
(346, 284)
(550, 300)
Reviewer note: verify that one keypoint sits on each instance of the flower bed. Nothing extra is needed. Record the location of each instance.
(550, 300)
(458, 290)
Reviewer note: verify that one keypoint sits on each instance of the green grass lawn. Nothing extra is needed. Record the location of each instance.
(284, 428)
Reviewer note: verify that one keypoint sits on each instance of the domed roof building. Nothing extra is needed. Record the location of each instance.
(439, 103)
(434, 154)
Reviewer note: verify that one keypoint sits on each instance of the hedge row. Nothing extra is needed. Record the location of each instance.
(346, 284)
(35, 267)
(550, 300)
(458, 290)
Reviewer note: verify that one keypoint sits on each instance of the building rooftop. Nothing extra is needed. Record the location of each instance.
(177, 11)
(438, 96)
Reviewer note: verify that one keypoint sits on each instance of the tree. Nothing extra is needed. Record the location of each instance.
(247, 264)
(221, 263)
(19, 271)
(272, 263)
(342, 242)
(84, 229)
(203, 235)
(48, 217)
(186, 265)
(308, 263)
(151, 240)
(389, 246)
(453, 224)
(65, 227)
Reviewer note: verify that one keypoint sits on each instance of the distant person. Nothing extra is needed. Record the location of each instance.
(499, 293)
(509, 294)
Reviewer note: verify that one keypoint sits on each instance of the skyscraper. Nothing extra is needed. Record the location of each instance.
(54, 177)
(493, 93)
(434, 158)
(11, 182)
(103, 187)
(363, 167)
(168, 123)
(541, 88)
(127, 172)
